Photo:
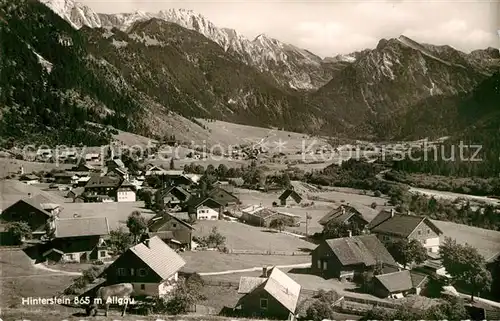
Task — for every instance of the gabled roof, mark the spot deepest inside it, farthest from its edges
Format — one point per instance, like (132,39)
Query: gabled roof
(157,221)
(81,226)
(76,191)
(217,190)
(361,249)
(399,224)
(249,283)
(289,192)
(160,257)
(117,161)
(401,281)
(35,203)
(283,288)
(197,202)
(342,214)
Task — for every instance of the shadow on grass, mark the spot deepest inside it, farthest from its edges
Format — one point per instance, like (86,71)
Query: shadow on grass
(305,249)
(300,271)
(357,290)
(269,231)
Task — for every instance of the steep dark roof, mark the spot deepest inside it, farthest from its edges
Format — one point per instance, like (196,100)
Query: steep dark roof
(400,224)
(196,202)
(82,226)
(218,190)
(362,249)
(159,220)
(341,215)
(35,203)
(290,192)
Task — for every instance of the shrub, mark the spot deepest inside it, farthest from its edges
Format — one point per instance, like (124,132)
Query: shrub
(373,205)
(377,193)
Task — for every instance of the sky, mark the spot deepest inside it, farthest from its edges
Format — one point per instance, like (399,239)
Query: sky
(331,27)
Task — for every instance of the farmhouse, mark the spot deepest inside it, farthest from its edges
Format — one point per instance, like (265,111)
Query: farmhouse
(92,157)
(223,197)
(390,226)
(155,170)
(348,257)
(171,196)
(344,215)
(102,186)
(64,178)
(398,284)
(290,193)
(37,211)
(203,207)
(274,295)
(263,216)
(180,232)
(30,179)
(151,266)
(79,239)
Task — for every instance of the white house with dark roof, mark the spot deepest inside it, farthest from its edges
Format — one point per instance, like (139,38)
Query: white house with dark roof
(151,266)
(392,226)
(273,295)
(79,239)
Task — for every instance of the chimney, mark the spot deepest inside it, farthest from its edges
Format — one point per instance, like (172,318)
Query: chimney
(146,242)
(343,210)
(350,233)
(392,212)
(264,271)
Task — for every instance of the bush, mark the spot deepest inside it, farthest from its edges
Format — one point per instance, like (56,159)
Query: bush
(373,205)
(377,193)
(18,232)
(320,310)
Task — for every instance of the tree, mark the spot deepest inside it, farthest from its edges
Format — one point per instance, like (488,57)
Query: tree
(222,171)
(172,164)
(285,180)
(215,238)
(137,225)
(321,308)
(120,241)
(465,265)
(278,223)
(181,298)
(147,197)
(18,232)
(333,230)
(407,252)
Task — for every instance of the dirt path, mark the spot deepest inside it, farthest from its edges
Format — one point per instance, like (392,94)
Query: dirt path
(257,268)
(41,266)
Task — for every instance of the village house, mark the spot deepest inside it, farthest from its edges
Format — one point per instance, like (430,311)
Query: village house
(30,179)
(398,284)
(348,257)
(92,157)
(224,197)
(37,211)
(347,215)
(171,196)
(155,170)
(274,295)
(64,178)
(102,187)
(263,216)
(290,192)
(126,192)
(204,207)
(152,267)
(391,226)
(171,229)
(79,240)
(112,164)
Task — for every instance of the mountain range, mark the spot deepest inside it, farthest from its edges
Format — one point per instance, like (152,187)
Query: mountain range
(150,73)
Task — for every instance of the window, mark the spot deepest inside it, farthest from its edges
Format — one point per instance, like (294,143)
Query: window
(419,232)
(263,304)
(428,231)
(121,272)
(324,265)
(319,264)
(132,272)
(174,224)
(142,272)
(102,253)
(143,286)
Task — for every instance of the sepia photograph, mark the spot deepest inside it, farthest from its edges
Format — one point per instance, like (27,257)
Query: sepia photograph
(224,160)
